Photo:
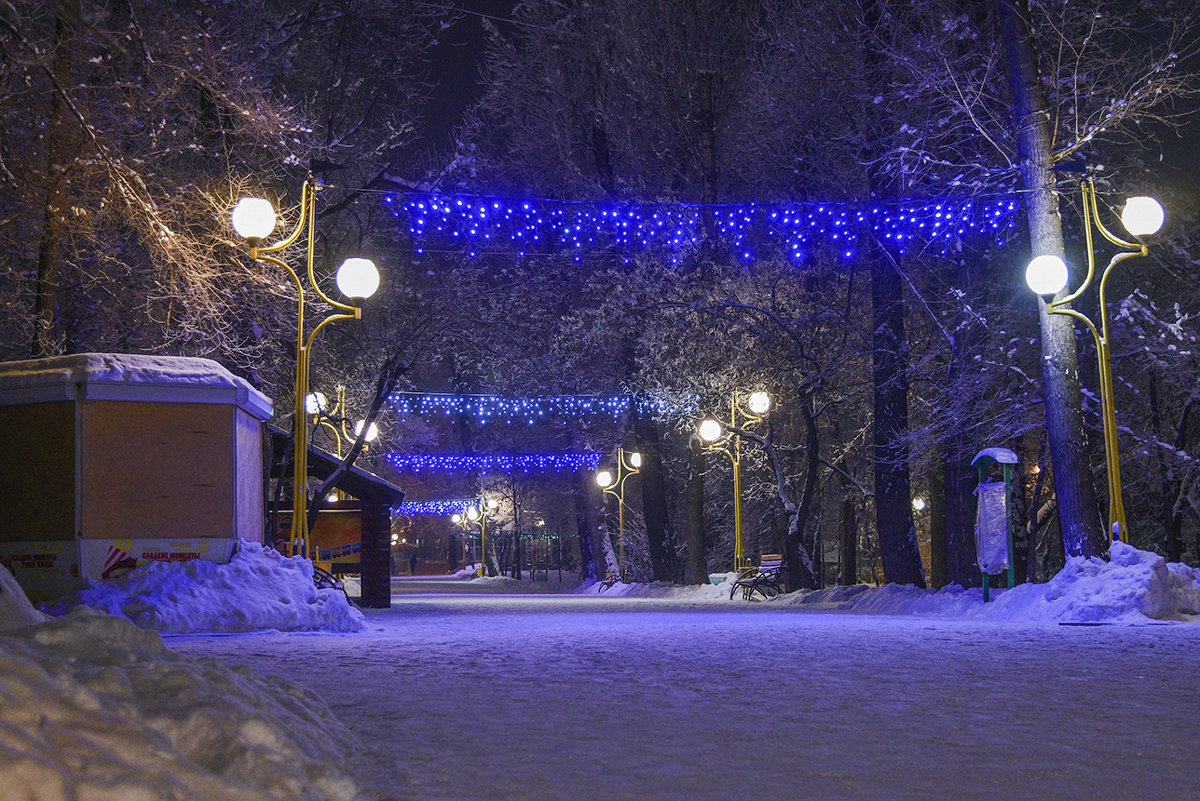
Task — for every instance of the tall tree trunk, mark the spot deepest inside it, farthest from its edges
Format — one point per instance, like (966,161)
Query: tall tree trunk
(583,529)
(893,503)
(1078,511)
(46,323)
(654,500)
(697,557)
(848,545)
(938,555)
(803,567)
(958,447)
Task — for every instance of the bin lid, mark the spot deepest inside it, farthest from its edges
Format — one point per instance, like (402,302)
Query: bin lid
(1001,455)
(127,377)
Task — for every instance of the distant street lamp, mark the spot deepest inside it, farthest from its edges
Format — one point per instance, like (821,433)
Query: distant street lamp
(254,220)
(333,418)
(719,437)
(1047,275)
(478,514)
(628,464)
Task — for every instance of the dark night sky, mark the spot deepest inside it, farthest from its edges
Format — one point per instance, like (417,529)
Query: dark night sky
(455,69)
(455,64)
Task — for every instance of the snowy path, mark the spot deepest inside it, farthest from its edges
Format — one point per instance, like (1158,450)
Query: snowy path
(569,697)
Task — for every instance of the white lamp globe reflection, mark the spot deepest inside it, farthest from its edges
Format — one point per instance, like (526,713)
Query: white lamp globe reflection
(253,218)
(1142,216)
(358,278)
(605,479)
(635,459)
(492,503)
(1046,275)
(455,518)
(473,513)
(918,504)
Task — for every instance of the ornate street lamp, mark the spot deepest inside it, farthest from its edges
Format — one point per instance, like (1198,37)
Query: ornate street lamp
(254,219)
(1047,275)
(719,437)
(478,515)
(613,483)
(334,420)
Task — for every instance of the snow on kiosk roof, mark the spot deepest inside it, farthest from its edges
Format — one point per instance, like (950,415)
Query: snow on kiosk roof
(120,376)
(114,460)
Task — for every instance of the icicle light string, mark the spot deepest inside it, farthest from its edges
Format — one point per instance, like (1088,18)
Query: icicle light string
(496,408)
(435,508)
(543,226)
(527,463)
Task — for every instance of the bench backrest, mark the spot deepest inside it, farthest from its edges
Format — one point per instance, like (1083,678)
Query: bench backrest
(770,561)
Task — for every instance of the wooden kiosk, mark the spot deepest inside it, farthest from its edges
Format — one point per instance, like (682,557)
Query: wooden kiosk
(112,460)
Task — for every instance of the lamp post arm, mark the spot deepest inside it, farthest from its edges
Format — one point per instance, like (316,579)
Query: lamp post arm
(1052,308)
(1091,210)
(333,318)
(337,436)
(1142,250)
(257,254)
(308,205)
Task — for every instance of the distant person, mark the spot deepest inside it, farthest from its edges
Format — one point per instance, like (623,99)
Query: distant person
(412,564)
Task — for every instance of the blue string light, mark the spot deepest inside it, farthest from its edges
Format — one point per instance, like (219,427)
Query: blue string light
(495,408)
(438,508)
(527,463)
(544,226)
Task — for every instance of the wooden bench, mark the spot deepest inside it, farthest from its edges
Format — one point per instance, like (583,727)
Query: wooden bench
(608,581)
(762,579)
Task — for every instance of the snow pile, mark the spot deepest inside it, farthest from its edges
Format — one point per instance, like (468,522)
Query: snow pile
(15,610)
(258,589)
(92,707)
(1132,586)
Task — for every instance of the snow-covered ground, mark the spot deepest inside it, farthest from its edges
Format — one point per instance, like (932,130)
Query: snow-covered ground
(93,708)
(639,691)
(580,697)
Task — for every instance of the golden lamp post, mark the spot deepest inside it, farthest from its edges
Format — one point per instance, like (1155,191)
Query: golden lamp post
(254,220)
(478,514)
(719,437)
(1047,275)
(613,483)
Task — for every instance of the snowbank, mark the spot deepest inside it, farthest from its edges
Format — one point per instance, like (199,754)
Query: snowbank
(15,610)
(258,589)
(1132,586)
(92,707)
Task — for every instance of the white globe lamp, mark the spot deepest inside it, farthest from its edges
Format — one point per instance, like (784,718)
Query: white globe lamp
(1142,216)
(253,218)
(358,278)
(710,430)
(315,402)
(372,431)
(1046,275)
(759,402)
